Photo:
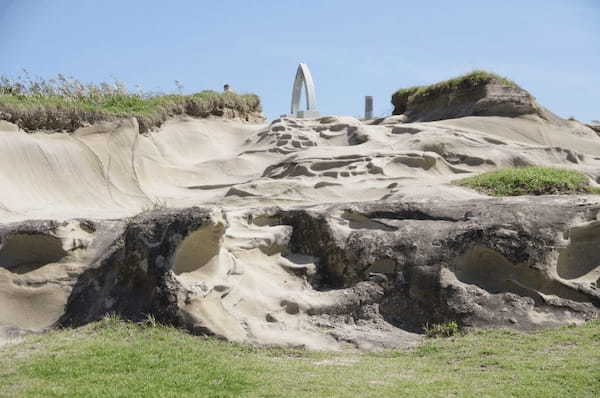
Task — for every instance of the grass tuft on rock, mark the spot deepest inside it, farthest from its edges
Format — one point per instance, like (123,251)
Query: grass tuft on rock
(472,80)
(468,80)
(65,104)
(533,180)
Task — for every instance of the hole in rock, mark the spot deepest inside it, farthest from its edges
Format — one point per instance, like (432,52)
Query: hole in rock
(484,268)
(265,220)
(583,253)
(398,164)
(493,272)
(198,249)
(360,221)
(328,165)
(272,248)
(383,266)
(23,253)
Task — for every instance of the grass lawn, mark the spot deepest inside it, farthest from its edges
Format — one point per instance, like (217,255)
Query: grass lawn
(117,359)
(532,180)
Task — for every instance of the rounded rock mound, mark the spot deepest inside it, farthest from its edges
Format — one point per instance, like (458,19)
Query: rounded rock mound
(477,93)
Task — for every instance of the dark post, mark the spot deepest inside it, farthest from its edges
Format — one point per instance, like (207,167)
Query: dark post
(368,107)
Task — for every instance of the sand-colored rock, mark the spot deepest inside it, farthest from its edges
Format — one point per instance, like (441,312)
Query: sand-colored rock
(364,275)
(330,233)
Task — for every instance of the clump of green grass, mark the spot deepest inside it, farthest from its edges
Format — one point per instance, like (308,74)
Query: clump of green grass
(447,329)
(402,97)
(122,359)
(65,104)
(533,180)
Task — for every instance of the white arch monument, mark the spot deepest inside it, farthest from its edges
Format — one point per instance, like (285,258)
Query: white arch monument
(304,78)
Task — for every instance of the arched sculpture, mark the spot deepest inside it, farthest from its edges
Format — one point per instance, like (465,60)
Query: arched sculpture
(304,78)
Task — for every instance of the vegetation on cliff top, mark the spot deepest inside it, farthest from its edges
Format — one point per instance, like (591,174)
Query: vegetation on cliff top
(65,104)
(112,358)
(533,180)
(472,79)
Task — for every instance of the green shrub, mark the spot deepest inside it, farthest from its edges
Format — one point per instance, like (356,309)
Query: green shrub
(533,180)
(447,329)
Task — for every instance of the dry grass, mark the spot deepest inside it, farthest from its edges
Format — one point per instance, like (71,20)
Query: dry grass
(65,104)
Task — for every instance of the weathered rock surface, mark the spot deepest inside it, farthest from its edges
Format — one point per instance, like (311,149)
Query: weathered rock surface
(520,263)
(330,233)
(357,275)
(595,127)
(111,171)
(491,98)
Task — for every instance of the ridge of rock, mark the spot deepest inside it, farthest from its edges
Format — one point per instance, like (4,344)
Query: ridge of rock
(489,97)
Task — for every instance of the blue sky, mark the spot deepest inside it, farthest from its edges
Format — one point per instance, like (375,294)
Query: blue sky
(353,48)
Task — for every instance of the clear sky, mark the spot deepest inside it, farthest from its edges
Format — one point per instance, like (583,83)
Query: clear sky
(353,48)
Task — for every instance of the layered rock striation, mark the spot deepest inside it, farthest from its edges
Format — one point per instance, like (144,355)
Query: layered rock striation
(475,94)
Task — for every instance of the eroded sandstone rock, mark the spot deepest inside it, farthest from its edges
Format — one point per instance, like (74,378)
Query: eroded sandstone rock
(470,98)
(357,275)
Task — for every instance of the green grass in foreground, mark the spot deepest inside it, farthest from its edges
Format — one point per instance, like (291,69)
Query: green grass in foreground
(116,359)
(533,180)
